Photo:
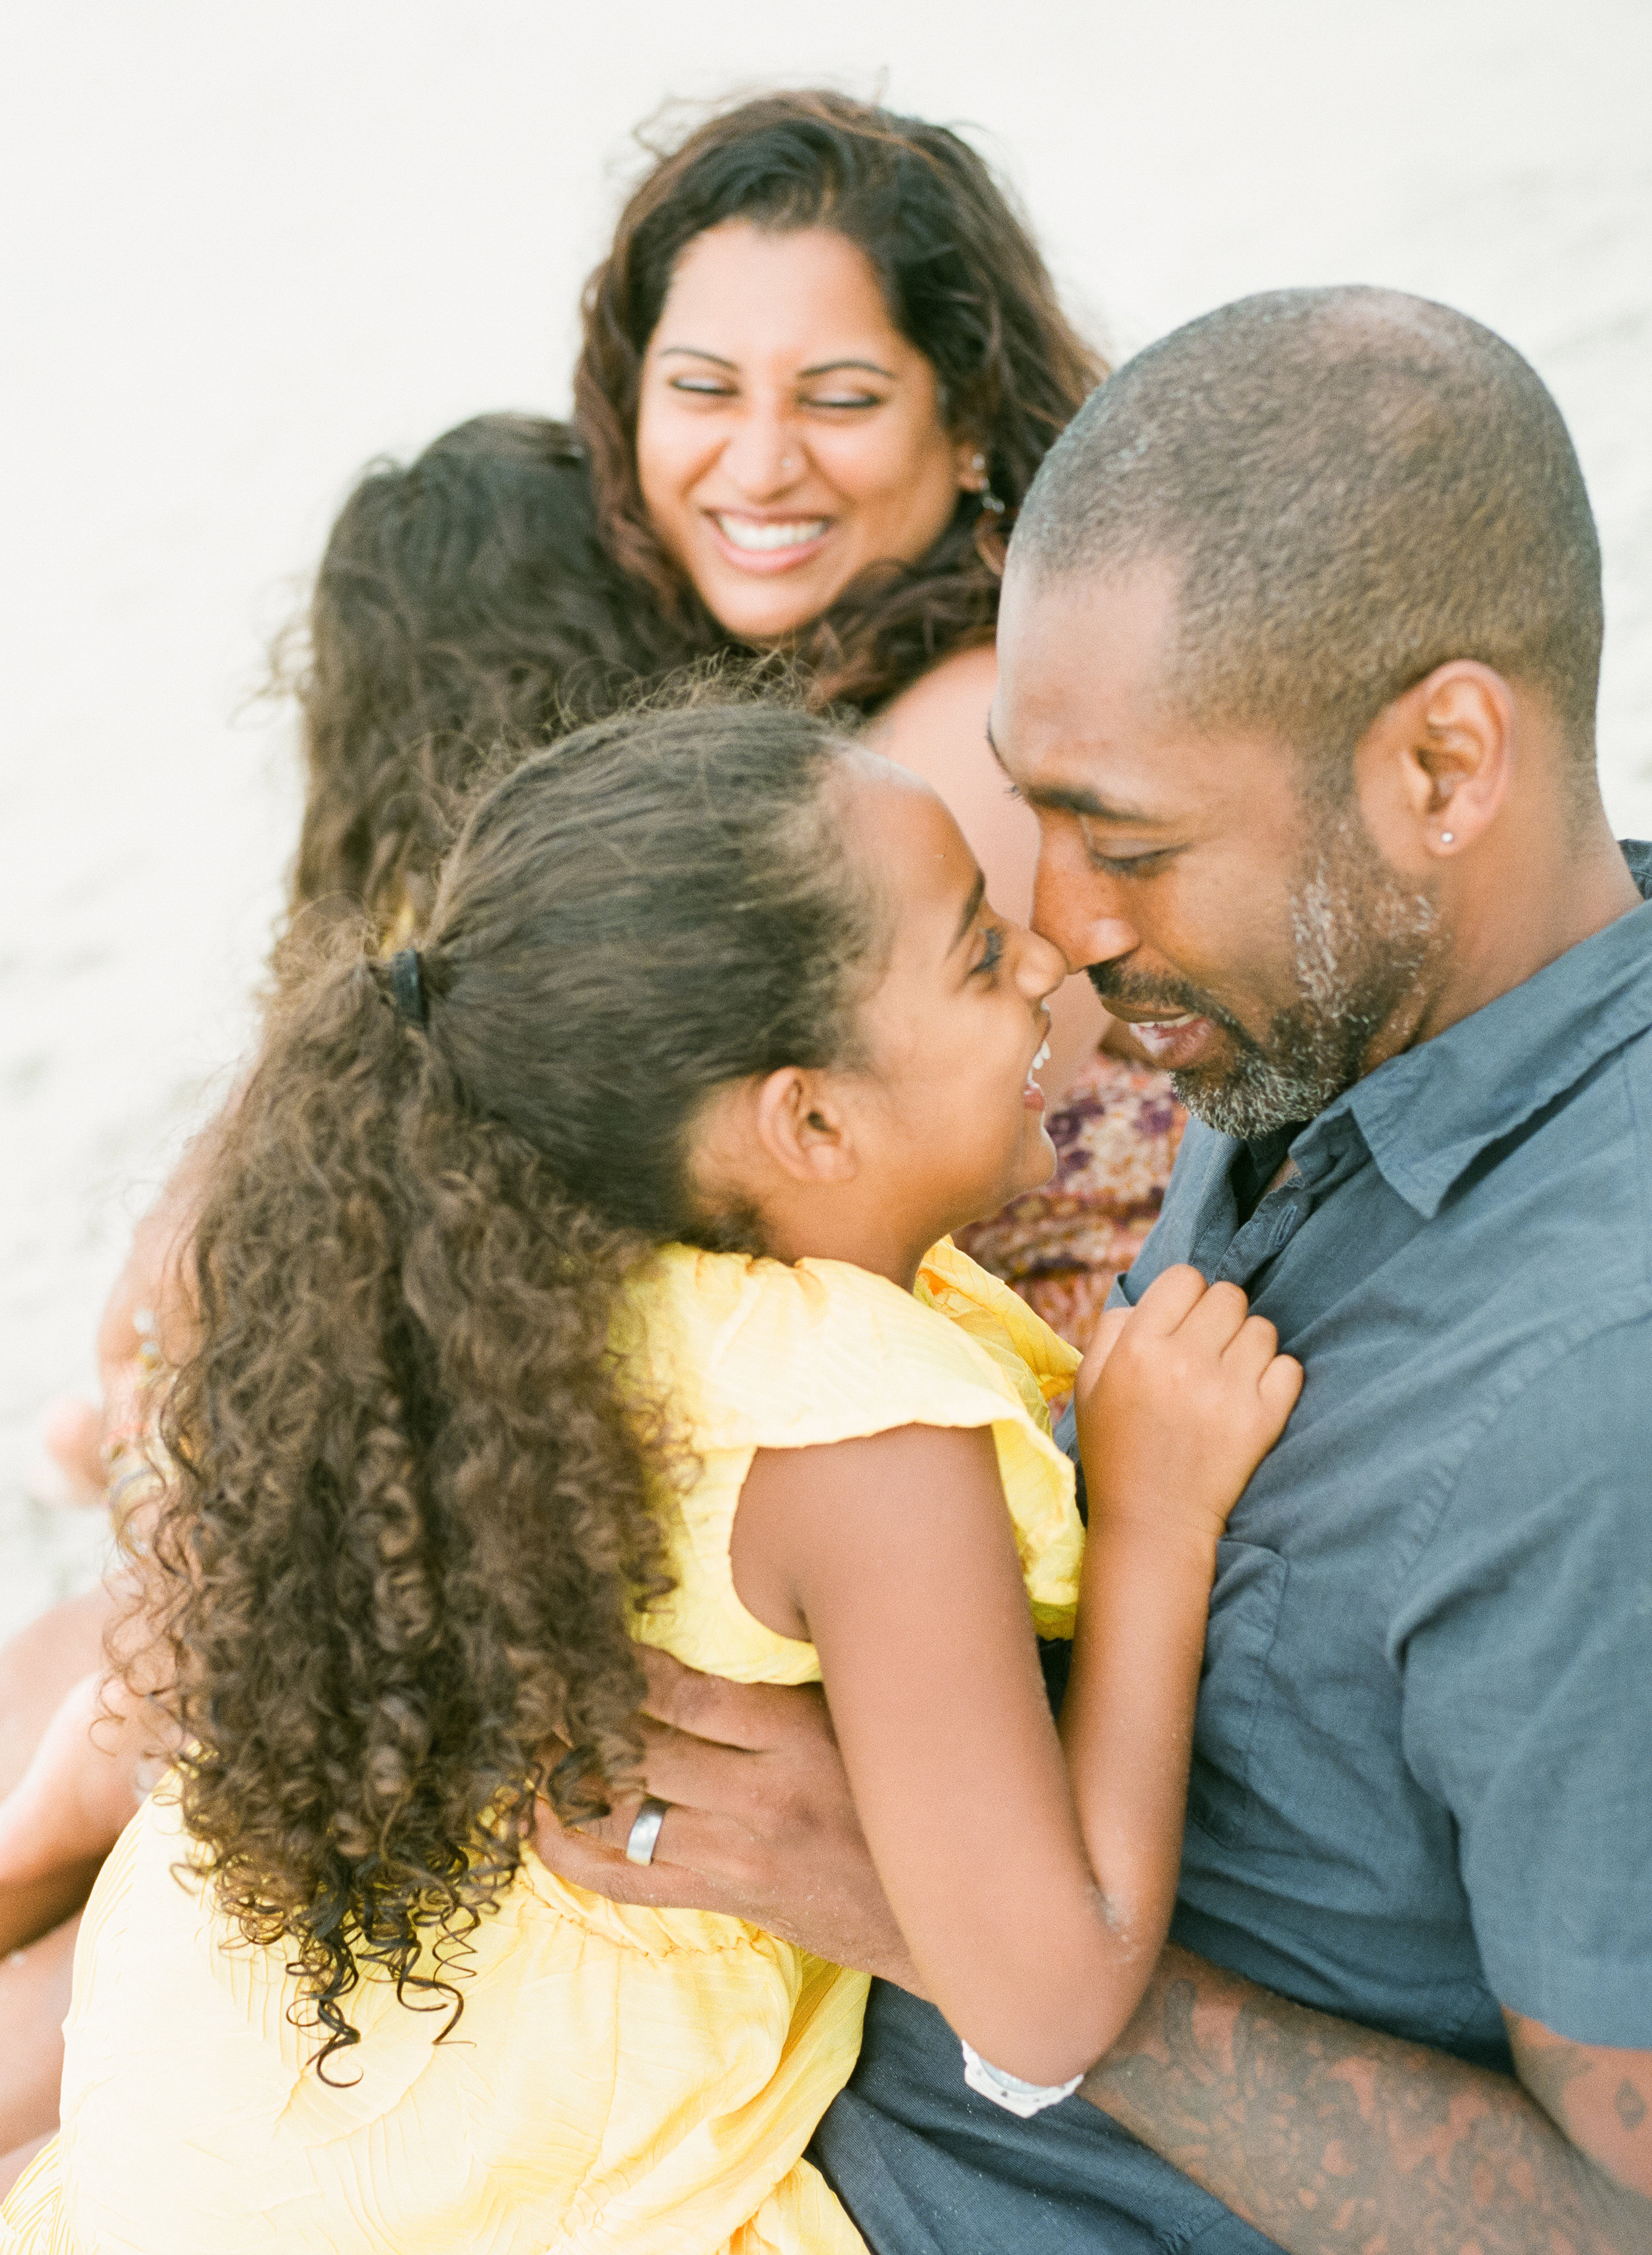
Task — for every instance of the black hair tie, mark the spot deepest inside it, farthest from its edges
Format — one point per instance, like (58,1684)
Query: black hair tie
(407,987)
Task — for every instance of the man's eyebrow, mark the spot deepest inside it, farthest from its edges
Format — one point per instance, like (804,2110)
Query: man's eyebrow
(829,367)
(694,352)
(977,893)
(1069,799)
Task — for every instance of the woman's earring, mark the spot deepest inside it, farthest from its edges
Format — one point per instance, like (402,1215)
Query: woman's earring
(991,532)
(988,498)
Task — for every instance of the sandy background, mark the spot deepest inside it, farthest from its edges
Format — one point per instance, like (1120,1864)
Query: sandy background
(248,248)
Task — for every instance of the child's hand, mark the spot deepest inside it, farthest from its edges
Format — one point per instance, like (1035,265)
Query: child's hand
(1178,1400)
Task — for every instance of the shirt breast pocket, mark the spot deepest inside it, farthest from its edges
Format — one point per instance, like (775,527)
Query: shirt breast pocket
(1244,1620)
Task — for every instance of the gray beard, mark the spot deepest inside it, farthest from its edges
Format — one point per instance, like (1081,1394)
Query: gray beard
(1362,941)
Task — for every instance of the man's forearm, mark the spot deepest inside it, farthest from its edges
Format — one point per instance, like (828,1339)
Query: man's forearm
(1331,2139)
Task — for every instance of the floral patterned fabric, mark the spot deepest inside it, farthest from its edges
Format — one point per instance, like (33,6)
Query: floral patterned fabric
(1060,1247)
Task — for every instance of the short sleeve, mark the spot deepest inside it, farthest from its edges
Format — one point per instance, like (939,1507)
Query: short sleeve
(1524,1641)
(749,1353)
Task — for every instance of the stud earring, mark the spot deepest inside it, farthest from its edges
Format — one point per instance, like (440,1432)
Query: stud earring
(1445,837)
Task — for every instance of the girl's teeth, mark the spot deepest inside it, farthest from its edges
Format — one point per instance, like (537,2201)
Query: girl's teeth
(741,532)
(1043,1057)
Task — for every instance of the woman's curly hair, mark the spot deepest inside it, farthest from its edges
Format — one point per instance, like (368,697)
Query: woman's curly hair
(413,1507)
(964,283)
(464,600)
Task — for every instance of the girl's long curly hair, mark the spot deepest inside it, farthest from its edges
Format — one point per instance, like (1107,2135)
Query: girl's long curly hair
(463,600)
(964,283)
(413,1507)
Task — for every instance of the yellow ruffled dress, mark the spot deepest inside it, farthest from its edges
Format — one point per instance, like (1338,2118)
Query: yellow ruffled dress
(621,2078)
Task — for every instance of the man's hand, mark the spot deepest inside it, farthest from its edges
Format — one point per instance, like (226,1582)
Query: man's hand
(760,1826)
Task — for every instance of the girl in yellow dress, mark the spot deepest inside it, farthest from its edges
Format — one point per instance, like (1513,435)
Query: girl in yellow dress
(578,1277)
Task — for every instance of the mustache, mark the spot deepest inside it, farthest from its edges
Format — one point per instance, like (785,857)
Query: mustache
(1115,984)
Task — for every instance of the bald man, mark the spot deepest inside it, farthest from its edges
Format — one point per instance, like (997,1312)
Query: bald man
(1298,652)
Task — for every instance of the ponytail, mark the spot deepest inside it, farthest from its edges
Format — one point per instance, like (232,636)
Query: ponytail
(410,1517)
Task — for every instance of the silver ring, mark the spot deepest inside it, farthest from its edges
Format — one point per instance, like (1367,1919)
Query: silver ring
(643,1836)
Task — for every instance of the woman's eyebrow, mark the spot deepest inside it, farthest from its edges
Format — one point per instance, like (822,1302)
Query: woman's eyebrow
(971,906)
(829,367)
(694,351)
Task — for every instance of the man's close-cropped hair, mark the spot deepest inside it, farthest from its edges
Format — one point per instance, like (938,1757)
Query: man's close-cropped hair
(1354,487)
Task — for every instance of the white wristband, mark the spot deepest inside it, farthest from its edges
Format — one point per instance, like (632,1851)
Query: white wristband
(1009,2091)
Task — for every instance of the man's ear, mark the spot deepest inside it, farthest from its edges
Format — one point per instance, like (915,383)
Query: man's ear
(1436,764)
(803,1128)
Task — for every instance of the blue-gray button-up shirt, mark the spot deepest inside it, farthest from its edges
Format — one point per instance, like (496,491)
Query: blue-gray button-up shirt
(1421,1778)
(1422,1781)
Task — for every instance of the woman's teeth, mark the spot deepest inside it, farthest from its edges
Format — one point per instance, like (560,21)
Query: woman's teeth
(790,533)
(1043,1057)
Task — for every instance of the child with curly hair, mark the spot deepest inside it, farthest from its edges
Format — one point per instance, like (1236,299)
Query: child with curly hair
(464,611)
(578,1277)
(464,601)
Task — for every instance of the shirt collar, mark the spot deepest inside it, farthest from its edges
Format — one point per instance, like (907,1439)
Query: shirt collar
(1427,1114)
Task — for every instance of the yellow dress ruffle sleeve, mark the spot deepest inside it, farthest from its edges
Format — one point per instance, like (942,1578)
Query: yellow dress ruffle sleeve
(621,2079)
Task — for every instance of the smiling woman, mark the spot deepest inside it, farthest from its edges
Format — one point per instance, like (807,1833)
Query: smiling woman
(822,333)
(822,363)
(807,450)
